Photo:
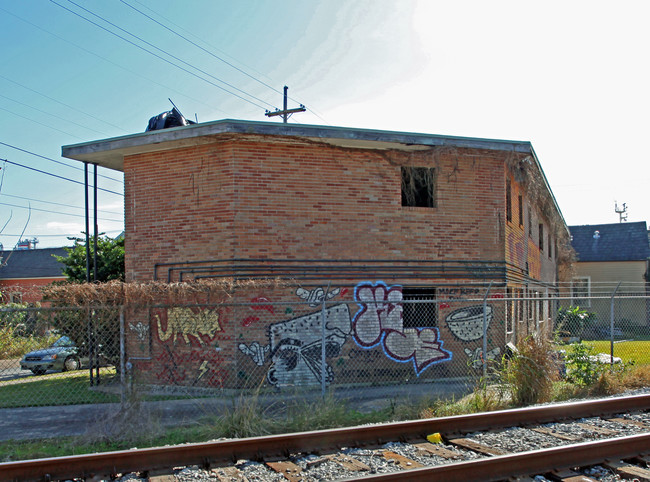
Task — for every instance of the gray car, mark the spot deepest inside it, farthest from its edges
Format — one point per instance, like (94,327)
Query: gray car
(62,355)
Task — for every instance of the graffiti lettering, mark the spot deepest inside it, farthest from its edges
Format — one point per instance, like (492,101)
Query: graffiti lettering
(458,291)
(186,322)
(316,296)
(259,306)
(379,322)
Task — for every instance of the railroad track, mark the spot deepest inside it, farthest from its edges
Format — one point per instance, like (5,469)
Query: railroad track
(613,433)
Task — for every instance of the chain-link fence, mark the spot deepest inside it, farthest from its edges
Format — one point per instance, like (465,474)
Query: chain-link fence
(369,342)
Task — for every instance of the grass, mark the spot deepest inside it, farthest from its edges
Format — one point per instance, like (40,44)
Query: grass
(70,388)
(134,426)
(636,351)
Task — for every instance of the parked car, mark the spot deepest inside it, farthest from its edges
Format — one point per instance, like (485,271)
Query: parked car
(62,355)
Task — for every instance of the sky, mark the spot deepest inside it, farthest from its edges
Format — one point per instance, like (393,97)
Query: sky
(570,77)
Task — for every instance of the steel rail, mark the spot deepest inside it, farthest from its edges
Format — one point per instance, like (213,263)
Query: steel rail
(525,463)
(256,448)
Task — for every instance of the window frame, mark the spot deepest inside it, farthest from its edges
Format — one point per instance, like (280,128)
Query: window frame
(424,196)
(411,310)
(575,300)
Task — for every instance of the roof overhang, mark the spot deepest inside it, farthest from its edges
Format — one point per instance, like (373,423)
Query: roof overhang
(110,153)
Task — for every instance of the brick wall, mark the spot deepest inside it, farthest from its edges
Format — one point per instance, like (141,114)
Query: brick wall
(256,199)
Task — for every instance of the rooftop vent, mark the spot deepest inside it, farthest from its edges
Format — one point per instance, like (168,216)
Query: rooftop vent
(596,234)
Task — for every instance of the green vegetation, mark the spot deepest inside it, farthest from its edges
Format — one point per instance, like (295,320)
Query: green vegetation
(628,351)
(110,259)
(71,388)
(515,381)
(573,322)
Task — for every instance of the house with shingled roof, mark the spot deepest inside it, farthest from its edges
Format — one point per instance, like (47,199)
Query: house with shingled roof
(612,258)
(23,272)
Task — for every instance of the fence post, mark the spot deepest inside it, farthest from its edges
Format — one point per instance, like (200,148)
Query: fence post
(611,326)
(484,355)
(323,369)
(122,357)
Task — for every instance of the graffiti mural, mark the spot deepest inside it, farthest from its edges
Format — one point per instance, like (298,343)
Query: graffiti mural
(175,368)
(141,331)
(379,322)
(316,296)
(295,347)
(185,322)
(467,323)
(476,356)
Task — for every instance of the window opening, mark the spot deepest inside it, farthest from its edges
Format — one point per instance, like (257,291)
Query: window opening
(423,314)
(418,187)
(508,200)
(541,237)
(580,291)
(520,202)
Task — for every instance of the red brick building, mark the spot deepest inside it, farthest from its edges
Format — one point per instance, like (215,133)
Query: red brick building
(379,217)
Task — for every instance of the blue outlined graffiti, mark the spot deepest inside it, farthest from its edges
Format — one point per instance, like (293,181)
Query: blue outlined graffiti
(379,322)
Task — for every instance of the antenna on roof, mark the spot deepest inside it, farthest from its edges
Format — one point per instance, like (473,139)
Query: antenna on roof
(285,113)
(622,212)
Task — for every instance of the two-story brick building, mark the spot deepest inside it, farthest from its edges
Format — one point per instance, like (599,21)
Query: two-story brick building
(365,219)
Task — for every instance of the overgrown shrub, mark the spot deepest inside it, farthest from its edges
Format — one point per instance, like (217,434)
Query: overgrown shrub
(528,374)
(573,321)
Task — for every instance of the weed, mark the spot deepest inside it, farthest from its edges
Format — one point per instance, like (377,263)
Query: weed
(528,375)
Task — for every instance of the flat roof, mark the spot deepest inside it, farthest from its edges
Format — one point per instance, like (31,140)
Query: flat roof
(110,153)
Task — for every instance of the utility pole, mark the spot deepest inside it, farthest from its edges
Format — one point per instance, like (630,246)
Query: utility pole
(285,113)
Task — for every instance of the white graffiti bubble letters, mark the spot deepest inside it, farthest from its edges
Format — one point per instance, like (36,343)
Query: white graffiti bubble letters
(379,322)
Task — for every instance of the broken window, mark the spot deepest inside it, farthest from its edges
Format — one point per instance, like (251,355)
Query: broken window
(418,187)
(419,307)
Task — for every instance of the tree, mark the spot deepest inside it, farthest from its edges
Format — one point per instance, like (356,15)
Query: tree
(110,259)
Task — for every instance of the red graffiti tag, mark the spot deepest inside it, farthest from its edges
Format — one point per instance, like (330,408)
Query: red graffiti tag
(248,321)
(262,299)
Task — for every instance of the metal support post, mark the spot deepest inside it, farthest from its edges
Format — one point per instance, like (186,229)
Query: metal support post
(323,366)
(611,326)
(484,355)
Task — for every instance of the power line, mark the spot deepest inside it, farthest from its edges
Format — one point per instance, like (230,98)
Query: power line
(202,48)
(61,103)
(137,74)
(162,58)
(55,212)
(40,123)
(202,40)
(58,162)
(52,115)
(56,204)
(216,56)
(58,177)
